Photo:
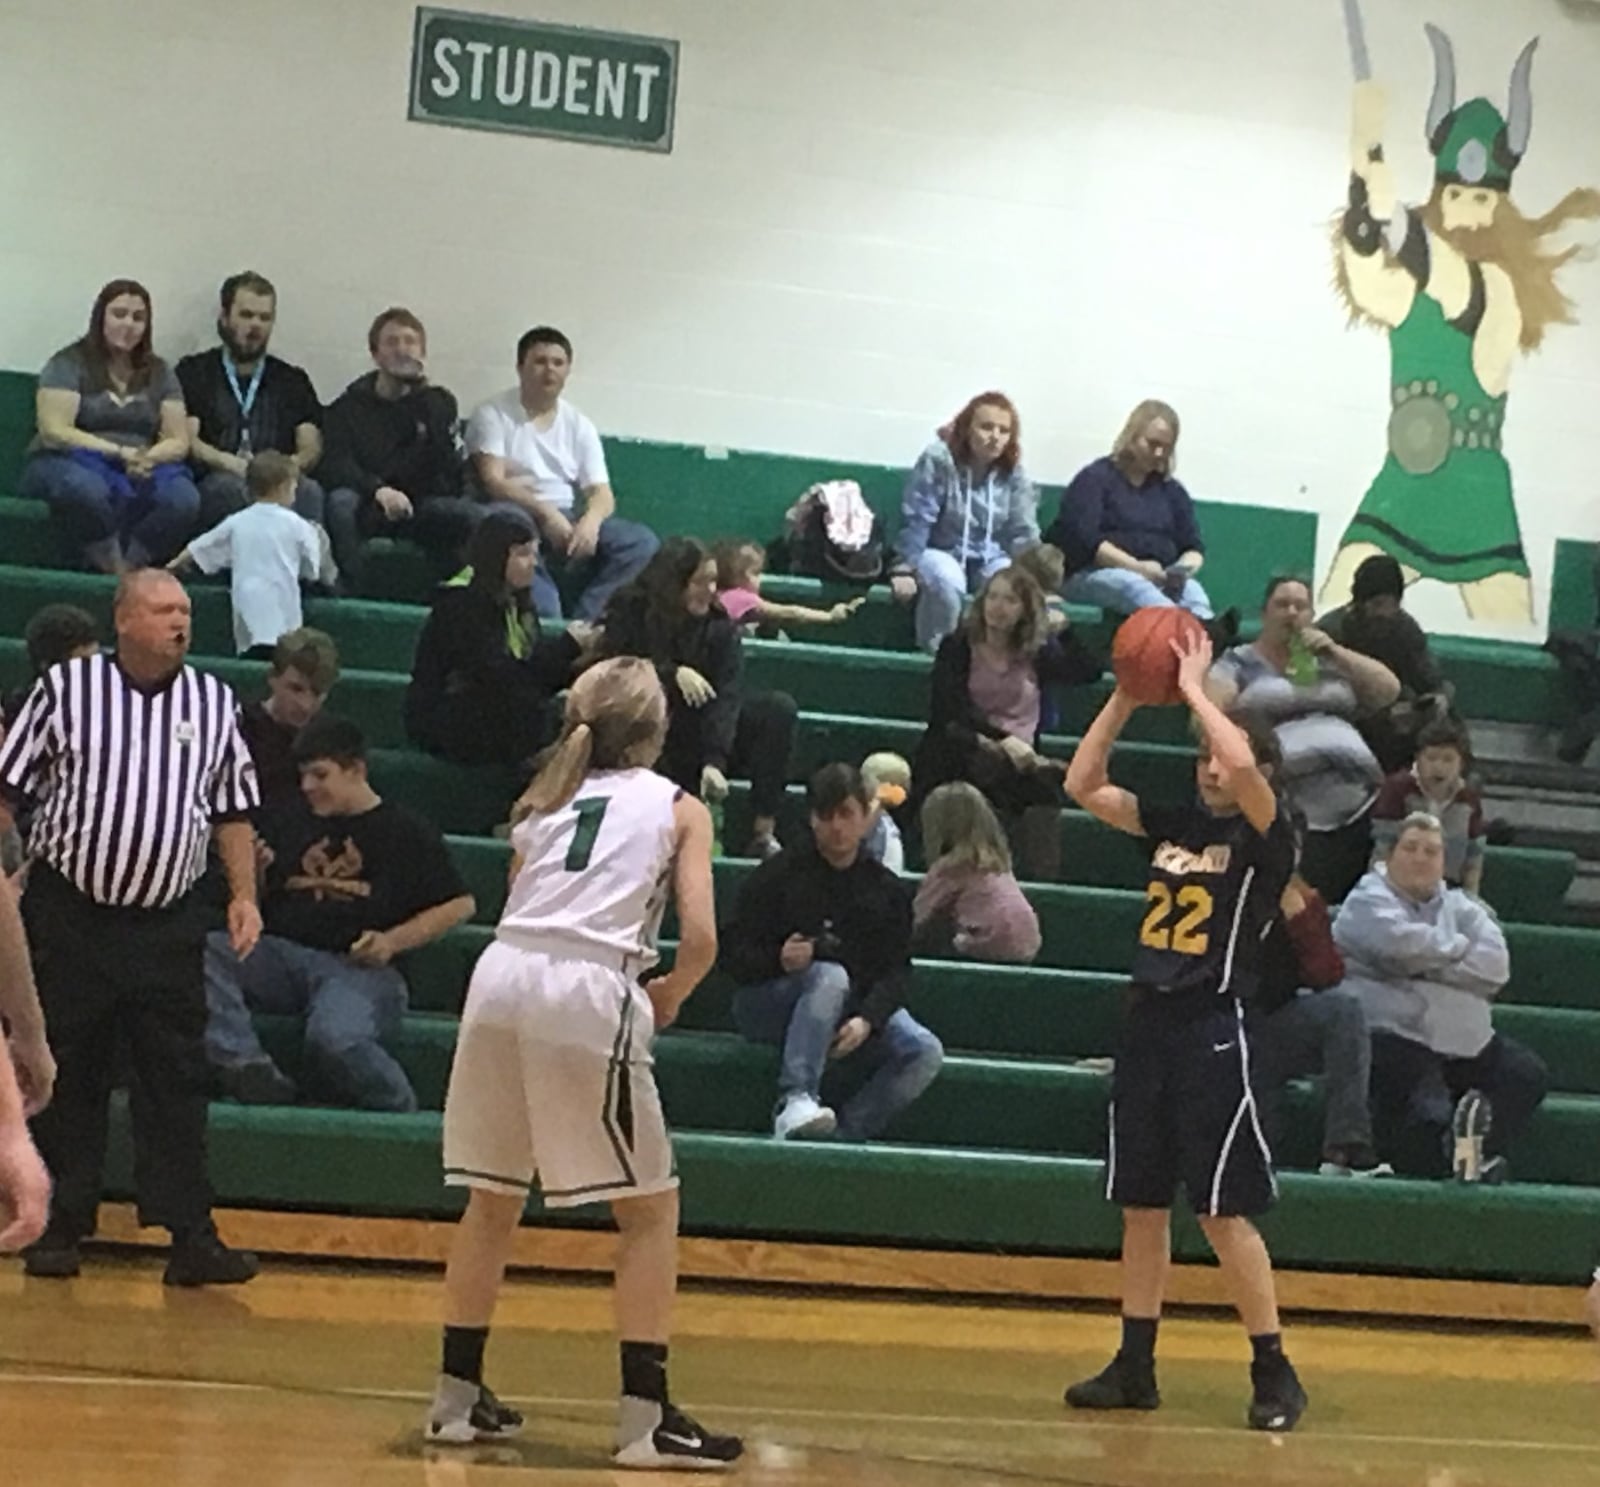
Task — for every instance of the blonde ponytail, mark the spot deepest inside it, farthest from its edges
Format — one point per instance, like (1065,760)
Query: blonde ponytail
(561,770)
(616,718)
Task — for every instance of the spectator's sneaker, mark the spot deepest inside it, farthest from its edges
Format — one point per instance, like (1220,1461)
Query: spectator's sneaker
(1353,1161)
(1494,1172)
(801,1116)
(1120,1385)
(202,1259)
(763,847)
(260,1082)
(660,1437)
(52,1257)
(466,1414)
(1278,1401)
(1473,1118)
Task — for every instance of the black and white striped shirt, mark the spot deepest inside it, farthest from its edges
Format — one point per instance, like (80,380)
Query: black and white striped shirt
(127,781)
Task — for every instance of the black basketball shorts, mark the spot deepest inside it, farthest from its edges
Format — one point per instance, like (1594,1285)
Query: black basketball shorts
(1182,1111)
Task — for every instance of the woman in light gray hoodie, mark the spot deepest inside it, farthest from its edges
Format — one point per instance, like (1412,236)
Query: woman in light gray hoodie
(1427,961)
(968,508)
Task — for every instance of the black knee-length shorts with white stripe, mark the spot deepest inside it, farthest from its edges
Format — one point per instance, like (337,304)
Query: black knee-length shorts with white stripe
(1182,1111)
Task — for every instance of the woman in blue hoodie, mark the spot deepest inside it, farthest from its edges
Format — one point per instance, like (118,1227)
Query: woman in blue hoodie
(968,507)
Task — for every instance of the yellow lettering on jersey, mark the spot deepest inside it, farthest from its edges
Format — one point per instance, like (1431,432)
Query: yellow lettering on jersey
(1169,857)
(1187,934)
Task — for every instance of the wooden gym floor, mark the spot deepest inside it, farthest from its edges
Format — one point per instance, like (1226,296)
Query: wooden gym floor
(316,1377)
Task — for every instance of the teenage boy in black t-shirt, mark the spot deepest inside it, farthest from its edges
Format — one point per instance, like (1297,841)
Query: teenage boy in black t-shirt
(1181,1107)
(351,883)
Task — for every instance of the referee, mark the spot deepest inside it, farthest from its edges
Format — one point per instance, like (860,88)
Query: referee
(132,762)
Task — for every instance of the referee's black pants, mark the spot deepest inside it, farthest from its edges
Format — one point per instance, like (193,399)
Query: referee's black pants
(112,979)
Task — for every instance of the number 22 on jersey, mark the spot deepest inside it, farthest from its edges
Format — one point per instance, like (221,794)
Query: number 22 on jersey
(1177,921)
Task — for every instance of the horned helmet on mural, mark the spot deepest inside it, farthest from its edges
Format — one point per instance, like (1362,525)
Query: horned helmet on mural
(1475,147)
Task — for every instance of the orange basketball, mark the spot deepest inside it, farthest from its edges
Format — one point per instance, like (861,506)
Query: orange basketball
(1141,655)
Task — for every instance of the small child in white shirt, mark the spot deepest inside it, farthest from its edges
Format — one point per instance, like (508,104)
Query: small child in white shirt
(269,549)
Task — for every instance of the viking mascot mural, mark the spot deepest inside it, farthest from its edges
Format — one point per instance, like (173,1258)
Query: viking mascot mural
(1463,285)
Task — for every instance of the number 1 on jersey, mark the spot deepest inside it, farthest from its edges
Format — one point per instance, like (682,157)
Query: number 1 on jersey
(590,812)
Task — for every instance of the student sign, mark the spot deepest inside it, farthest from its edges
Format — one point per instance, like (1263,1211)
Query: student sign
(526,77)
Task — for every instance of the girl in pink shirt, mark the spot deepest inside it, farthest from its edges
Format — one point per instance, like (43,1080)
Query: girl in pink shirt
(739,569)
(970,903)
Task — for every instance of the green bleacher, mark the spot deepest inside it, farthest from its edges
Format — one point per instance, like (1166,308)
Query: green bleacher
(1002,1153)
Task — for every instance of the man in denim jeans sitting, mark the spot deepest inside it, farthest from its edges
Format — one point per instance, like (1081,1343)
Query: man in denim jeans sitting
(350,884)
(821,948)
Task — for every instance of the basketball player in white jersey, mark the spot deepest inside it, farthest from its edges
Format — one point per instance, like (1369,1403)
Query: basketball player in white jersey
(552,1073)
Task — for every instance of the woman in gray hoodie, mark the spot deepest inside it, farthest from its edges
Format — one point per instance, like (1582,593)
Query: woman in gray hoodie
(1427,961)
(968,508)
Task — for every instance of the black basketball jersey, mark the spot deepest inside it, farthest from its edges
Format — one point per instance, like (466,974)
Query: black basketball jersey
(1215,882)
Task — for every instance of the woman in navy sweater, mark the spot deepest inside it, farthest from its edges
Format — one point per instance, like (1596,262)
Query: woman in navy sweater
(1128,528)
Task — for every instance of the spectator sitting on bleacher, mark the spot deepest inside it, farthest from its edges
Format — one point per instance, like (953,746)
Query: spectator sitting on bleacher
(1128,529)
(1309,691)
(821,949)
(349,885)
(269,550)
(968,506)
(1428,961)
(485,677)
(303,670)
(970,904)
(888,781)
(393,461)
(740,566)
(113,437)
(669,615)
(56,633)
(1375,624)
(1046,565)
(1437,784)
(536,453)
(244,402)
(1301,1021)
(986,714)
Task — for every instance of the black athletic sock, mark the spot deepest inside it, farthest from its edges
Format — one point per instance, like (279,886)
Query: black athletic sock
(1139,1339)
(644,1370)
(1267,1347)
(463,1353)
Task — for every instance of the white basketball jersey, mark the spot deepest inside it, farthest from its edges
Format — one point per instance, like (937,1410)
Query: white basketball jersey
(598,871)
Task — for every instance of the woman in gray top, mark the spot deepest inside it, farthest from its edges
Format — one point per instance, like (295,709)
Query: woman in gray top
(113,438)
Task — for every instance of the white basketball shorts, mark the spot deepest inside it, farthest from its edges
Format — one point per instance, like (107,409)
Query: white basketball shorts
(553,1078)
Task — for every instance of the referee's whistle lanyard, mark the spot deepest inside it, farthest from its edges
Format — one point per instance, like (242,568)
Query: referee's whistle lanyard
(245,398)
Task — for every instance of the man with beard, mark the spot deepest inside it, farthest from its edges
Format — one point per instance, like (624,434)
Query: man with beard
(394,463)
(1462,285)
(243,402)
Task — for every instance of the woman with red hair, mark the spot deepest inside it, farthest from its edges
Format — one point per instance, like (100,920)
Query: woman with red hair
(968,507)
(110,455)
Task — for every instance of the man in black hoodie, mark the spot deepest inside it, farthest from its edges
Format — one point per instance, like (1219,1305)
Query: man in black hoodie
(821,948)
(393,464)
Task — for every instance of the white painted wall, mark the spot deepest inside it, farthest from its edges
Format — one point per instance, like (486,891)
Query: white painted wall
(874,208)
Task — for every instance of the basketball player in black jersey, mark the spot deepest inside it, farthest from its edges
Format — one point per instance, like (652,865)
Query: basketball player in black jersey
(1181,1107)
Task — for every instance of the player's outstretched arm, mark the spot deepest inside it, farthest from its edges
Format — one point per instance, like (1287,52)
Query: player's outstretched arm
(1088,779)
(1230,748)
(697,912)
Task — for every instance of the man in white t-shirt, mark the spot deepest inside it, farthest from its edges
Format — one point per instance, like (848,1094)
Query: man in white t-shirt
(533,450)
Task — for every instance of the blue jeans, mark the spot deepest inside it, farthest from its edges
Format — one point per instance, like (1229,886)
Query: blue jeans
(349,1009)
(801,1013)
(151,528)
(621,551)
(1123,592)
(943,583)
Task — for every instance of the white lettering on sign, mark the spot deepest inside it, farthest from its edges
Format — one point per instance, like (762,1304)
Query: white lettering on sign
(577,82)
(448,82)
(546,80)
(611,89)
(509,92)
(480,51)
(646,73)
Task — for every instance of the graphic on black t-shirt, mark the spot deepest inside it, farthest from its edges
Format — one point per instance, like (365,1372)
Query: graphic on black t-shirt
(1213,891)
(330,871)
